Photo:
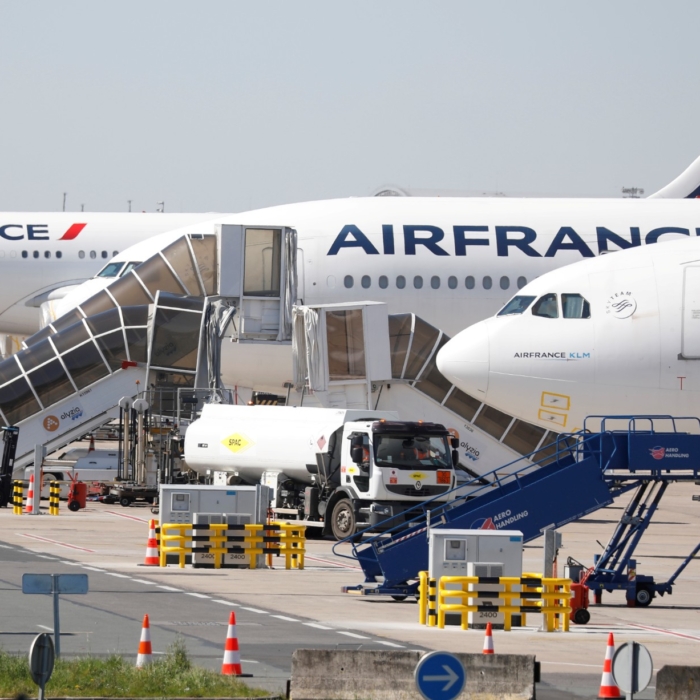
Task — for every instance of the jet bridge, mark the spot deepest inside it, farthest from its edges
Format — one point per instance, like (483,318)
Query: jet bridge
(144,331)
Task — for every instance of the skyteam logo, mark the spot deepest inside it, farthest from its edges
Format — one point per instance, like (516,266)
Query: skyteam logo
(621,305)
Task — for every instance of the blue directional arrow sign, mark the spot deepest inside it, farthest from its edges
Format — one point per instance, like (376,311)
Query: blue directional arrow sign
(439,676)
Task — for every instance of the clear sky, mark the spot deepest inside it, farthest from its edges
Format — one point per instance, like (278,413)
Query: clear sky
(227,106)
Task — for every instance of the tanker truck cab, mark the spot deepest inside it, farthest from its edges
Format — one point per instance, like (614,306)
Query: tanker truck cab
(391,466)
(341,470)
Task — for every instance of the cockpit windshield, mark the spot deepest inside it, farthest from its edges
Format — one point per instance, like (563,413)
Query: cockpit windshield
(516,306)
(128,267)
(417,452)
(111,269)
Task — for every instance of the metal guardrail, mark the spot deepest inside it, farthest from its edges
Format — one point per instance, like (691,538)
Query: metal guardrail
(547,596)
(283,539)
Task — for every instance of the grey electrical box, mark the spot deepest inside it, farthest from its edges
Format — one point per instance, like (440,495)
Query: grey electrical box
(179,502)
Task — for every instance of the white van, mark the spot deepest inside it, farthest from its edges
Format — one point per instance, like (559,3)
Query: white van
(98,465)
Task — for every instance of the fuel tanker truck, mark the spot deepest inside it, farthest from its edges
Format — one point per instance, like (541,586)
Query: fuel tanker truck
(345,469)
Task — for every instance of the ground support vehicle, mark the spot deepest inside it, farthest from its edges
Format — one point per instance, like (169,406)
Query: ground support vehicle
(125,494)
(340,468)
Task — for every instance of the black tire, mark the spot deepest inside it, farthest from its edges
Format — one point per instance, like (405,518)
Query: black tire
(399,597)
(644,595)
(343,521)
(73,506)
(582,616)
(125,502)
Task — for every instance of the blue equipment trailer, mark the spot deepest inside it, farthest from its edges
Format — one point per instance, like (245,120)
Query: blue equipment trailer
(576,475)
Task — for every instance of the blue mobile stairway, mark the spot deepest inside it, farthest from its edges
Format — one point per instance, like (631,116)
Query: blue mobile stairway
(557,484)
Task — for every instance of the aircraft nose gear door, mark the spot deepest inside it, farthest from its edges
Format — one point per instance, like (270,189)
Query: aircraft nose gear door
(257,267)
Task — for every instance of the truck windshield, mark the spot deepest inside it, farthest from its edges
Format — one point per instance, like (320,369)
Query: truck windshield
(412,452)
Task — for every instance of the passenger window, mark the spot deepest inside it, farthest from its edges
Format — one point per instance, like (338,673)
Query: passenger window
(115,253)
(546,306)
(104,254)
(400,282)
(59,254)
(505,282)
(522,281)
(516,306)
(36,253)
(47,253)
(383,282)
(366,281)
(452,282)
(93,254)
(81,254)
(418,282)
(435,282)
(348,282)
(487,282)
(470,282)
(575,306)
(25,254)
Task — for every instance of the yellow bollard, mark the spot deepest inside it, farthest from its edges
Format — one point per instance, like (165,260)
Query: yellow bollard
(18,498)
(54,497)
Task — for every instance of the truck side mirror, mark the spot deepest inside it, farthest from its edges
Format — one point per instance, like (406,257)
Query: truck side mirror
(356,454)
(455,458)
(454,442)
(356,441)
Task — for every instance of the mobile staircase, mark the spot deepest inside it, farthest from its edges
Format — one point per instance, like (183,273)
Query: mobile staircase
(560,483)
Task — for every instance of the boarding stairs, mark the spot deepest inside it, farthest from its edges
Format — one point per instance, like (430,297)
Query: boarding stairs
(576,475)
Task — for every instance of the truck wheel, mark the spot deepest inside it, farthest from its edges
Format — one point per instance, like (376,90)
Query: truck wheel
(582,616)
(125,502)
(343,521)
(644,595)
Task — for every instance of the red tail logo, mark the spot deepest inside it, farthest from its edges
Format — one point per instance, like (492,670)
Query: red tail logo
(72,232)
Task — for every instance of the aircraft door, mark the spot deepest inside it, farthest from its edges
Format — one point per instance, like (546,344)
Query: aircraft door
(690,335)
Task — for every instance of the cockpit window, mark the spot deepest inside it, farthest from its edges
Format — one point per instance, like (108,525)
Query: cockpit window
(111,269)
(129,266)
(516,306)
(546,306)
(575,306)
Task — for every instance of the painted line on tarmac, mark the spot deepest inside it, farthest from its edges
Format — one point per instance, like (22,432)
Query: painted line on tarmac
(391,644)
(128,517)
(332,563)
(6,546)
(670,633)
(171,589)
(225,602)
(92,568)
(288,619)
(316,625)
(60,544)
(143,580)
(255,610)
(197,595)
(109,573)
(352,634)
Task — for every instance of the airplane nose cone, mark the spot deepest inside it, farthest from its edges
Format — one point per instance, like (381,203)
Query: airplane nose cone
(464,360)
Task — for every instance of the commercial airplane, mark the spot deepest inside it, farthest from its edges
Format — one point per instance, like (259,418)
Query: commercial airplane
(617,335)
(43,255)
(451,261)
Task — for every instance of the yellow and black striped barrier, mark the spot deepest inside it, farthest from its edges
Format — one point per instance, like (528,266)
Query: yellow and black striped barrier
(282,539)
(17,497)
(550,597)
(54,497)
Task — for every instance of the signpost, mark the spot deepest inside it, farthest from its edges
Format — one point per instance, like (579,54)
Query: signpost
(439,676)
(47,584)
(41,659)
(632,668)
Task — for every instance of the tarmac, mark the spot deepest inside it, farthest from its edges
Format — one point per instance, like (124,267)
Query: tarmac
(113,539)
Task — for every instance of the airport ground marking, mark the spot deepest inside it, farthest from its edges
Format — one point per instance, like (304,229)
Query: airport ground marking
(316,625)
(124,515)
(661,630)
(392,644)
(255,610)
(110,573)
(225,602)
(60,544)
(6,546)
(352,634)
(92,568)
(332,563)
(171,589)
(196,595)
(288,619)
(143,580)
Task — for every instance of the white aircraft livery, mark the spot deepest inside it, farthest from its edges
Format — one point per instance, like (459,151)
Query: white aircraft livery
(43,255)
(618,335)
(452,261)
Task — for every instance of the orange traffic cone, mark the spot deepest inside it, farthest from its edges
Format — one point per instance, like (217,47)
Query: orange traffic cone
(145,652)
(608,688)
(152,556)
(488,640)
(232,656)
(92,444)
(29,508)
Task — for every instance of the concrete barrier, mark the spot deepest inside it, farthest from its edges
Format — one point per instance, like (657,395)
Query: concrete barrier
(330,674)
(678,683)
